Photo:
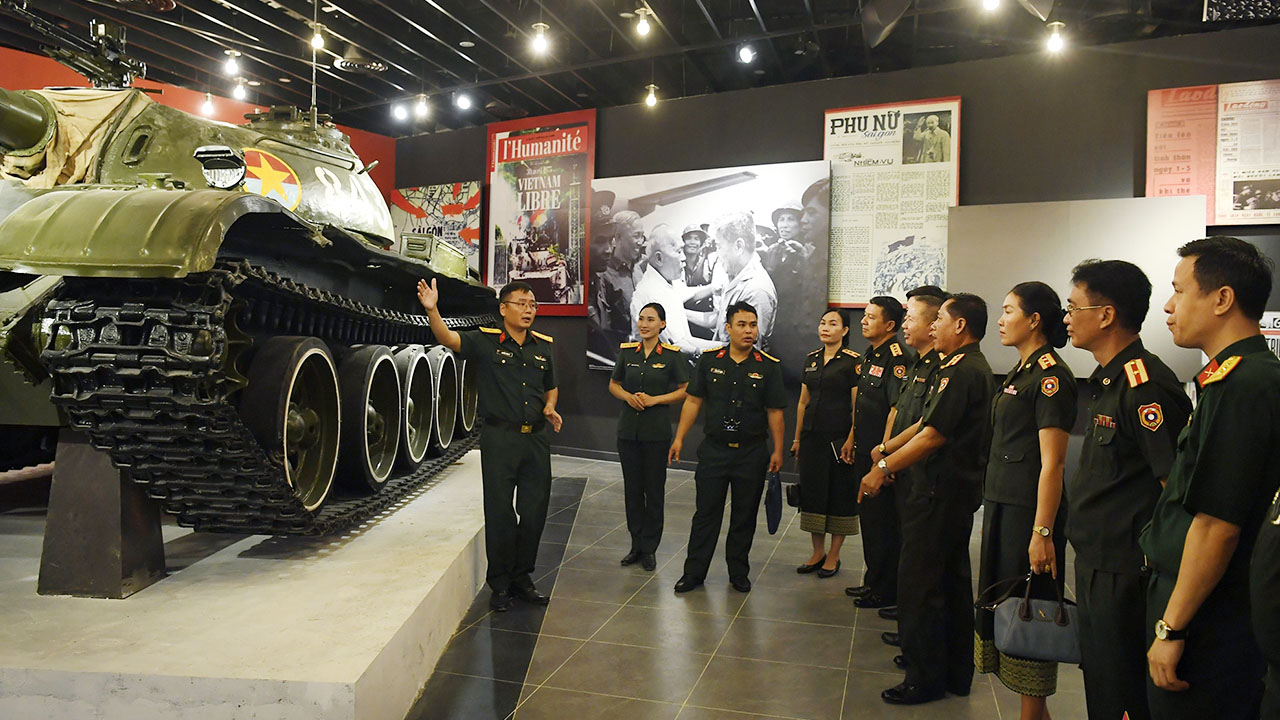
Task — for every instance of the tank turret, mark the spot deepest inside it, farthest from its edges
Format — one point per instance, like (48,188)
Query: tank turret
(25,121)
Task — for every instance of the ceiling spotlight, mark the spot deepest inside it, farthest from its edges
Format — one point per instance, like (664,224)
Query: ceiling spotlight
(284,79)
(239,92)
(398,112)
(642,25)
(746,54)
(990,5)
(540,37)
(462,100)
(421,109)
(466,44)
(652,98)
(1055,37)
(207,106)
(317,40)
(232,65)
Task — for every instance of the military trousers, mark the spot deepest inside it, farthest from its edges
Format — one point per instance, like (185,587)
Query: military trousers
(1271,698)
(1113,645)
(1220,658)
(644,482)
(722,469)
(881,535)
(516,471)
(935,590)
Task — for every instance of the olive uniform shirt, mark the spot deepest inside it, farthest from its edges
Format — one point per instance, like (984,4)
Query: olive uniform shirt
(1137,407)
(959,409)
(830,408)
(1036,394)
(880,378)
(1228,462)
(915,391)
(513,379)
(664,370)
(736,396)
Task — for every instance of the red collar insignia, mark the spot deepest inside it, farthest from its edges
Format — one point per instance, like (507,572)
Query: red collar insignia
(756,355)
(659,348)
(1208,370)
(502,337)
(720,354)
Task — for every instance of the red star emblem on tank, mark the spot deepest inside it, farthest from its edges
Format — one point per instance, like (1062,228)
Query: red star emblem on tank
(271,177)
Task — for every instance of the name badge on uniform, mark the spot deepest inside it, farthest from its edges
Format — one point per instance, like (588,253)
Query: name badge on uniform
(877,370)
(630,364)
(1010,390)
(755,375)
(505,353)
(717,371)
(921,378)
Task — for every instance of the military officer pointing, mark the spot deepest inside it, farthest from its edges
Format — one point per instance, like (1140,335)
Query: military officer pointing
(742,390)
(515,375)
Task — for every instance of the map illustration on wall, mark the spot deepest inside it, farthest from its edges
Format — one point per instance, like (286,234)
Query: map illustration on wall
(449,212)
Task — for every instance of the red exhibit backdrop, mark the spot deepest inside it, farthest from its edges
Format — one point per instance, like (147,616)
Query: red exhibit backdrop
(24,71)
(539,175)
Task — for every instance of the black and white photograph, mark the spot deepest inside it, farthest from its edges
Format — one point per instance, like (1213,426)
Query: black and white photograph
(926,137)
(1261,194)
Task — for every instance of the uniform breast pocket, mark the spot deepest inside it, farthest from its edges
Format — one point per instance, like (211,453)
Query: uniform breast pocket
(871,381)
(1103,456)
(1011,458)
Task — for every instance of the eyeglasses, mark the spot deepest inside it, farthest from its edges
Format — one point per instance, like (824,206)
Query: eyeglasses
(1072,309)
(522,304)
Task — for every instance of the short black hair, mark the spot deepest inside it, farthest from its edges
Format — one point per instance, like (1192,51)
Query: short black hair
(657,307)
(1121,284)
(1226,261)
(1037,298)
(740,306)
(974,311)
(893,310)
(932,290)
(513,287)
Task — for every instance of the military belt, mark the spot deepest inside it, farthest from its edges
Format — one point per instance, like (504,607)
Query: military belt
(740,442)
(522,428)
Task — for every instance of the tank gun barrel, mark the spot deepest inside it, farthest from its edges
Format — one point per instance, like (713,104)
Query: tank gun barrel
(24,121)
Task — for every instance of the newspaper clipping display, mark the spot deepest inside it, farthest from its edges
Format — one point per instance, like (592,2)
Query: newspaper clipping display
(1182,134)
(1248,190)
(449,213)
(540,172)
(894,172)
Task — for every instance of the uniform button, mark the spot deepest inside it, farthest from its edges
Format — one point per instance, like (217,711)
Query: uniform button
(1106,381)
(523,384)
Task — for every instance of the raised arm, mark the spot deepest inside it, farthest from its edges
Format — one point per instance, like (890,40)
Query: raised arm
(429,296)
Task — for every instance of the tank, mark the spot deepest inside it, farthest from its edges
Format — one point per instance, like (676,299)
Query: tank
(214,305)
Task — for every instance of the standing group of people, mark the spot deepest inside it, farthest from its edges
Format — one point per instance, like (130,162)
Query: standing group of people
(1173,513)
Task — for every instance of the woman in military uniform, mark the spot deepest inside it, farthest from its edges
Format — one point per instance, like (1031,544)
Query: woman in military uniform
(1022,493)
(824,427)
(648,376)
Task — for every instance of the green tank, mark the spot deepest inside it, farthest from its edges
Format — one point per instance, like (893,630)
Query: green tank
(215,306)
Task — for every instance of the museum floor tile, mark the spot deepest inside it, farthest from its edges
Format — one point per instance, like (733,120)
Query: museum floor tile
(619,643)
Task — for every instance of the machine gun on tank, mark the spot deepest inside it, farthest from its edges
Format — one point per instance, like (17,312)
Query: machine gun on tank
(101,58)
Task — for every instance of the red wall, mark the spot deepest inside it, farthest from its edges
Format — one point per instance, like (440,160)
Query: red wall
(24,71)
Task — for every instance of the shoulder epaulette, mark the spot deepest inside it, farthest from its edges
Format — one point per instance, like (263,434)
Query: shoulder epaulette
(542,336)
(955,359)
(1046,361)
(628,345)
(895,349)
(847,351)
(1136,371)
(769,356)
(491,331)
(815,352)
(1223,370)
(673,348)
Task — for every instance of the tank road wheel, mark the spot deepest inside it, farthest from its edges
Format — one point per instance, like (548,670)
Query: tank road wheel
(444,373)
(418,401)
(371,416)
(468,398)
(291,407)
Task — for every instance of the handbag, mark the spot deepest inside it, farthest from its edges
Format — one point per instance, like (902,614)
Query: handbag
(792,491)
(773,502)
(1026,627)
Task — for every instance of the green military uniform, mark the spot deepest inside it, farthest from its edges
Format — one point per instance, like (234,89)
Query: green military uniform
(1227,467)
(935,601)
(1136,409)
(736,400)
(1264,585)
(921,374)
(645,435)
(879,384)
(828,488)
(1037,394)
(515,455)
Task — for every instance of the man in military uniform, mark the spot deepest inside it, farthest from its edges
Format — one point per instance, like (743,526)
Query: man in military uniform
(936,589)
(1203,659)
(516,378)
(746,279)
(621,274)
(742,389)
(1137,407)
(880,376)
(904,417)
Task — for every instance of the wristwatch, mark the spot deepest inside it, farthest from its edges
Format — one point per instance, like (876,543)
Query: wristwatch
(880,449)
(1041,530)
(1164,632)
(884,467)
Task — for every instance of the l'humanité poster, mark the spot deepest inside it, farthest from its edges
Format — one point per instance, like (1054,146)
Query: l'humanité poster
(540,171)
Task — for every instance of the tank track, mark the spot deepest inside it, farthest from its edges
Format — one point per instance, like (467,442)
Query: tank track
(149,368)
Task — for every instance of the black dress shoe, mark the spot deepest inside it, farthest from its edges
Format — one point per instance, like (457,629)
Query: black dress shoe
(825,573)
(857,592)
(891,639)
(500,601)
(905,694)
(630,558)
(530,595)
(901,662)
(740,583)
(871,600)
(686,583)
(889,613)
(806,569)
(959,690)
(648,562)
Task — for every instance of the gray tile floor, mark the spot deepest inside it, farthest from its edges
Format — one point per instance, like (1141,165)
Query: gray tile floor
(619,643)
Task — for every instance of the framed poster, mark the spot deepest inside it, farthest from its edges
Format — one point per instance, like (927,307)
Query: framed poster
(895,169)
(1182,135)
(449,213)
(539,172)
(1248,169)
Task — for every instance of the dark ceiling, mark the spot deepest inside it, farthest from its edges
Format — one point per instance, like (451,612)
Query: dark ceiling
(596,58)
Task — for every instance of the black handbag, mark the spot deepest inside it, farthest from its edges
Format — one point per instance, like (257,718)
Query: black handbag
(1026,627)
(773,501)
(793,494)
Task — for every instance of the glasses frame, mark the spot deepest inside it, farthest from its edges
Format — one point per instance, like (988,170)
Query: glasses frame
(1072,310)
(522,304)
